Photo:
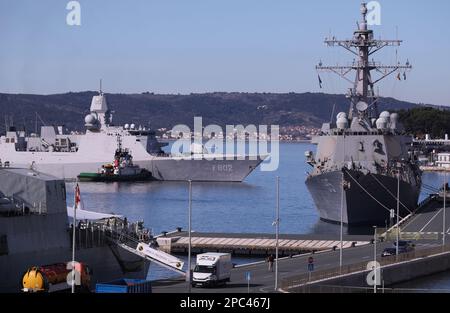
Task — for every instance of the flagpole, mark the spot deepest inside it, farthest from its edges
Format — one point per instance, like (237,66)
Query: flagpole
(73,237)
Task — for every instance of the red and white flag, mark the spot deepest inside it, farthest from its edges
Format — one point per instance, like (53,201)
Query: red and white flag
(77,196)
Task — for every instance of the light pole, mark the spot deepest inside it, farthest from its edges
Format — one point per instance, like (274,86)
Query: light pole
(398,213)
(342,210)
(375,259)
(76,200)
(277,226)
(188,275)
(444,230)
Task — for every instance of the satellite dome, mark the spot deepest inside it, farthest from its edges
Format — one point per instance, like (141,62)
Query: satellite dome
(342,114)
(342,123)
(382,123)
(90,119)
(132,126)
(394,120)
(394,117)
(127,126)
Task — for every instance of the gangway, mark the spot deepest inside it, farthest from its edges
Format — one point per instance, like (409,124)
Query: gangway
(147,251)
(156,256)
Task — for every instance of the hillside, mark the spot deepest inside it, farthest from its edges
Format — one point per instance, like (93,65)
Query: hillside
(165,111)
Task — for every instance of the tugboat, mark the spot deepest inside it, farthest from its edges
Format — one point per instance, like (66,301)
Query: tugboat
(122,169)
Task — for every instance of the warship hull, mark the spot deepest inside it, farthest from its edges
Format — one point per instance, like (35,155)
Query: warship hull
(367,202)
(164,169)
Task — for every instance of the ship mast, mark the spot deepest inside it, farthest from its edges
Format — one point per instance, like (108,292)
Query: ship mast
(363,100)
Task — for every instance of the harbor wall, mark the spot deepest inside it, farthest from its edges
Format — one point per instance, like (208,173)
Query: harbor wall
(390,275)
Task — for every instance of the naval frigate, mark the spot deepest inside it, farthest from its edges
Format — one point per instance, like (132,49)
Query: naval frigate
(67,155)
(362,162)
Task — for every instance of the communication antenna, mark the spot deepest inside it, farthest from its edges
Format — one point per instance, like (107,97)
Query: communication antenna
(363,46)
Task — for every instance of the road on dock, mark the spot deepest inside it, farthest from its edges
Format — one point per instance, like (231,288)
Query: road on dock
(263,281)
(429,221)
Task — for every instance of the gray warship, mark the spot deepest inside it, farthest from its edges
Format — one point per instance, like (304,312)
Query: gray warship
(65,155)
(34,231)
(362,160)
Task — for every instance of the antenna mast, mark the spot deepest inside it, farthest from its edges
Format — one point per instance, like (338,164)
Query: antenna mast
(363,45)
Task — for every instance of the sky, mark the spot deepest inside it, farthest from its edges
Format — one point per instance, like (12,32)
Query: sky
(195,46)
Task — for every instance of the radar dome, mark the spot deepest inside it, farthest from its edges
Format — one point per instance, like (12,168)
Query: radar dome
(90,119)
(132,126)
(394,120)
(385,115)
(382,123)
(342,123)
(394,117)
(342,114)
(127,126)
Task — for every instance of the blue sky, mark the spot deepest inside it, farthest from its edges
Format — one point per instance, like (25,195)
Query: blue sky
(184,46)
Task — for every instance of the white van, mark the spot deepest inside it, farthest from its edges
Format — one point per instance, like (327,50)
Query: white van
(212,269)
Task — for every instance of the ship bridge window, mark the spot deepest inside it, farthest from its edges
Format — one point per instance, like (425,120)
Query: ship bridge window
(3,245)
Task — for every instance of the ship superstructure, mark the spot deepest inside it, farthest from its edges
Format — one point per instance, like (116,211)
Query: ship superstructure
(362,159)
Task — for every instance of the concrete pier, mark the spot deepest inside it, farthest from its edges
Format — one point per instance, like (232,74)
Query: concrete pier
(255,244)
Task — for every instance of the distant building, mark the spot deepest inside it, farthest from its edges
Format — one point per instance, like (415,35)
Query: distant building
(443,160)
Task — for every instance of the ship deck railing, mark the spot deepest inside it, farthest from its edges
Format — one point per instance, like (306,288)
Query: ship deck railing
(99,233)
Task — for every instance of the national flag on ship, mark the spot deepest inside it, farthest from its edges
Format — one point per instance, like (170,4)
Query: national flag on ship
(320,81)
(77,196)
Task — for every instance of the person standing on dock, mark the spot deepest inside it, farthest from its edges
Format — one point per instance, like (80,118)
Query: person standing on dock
(271,260)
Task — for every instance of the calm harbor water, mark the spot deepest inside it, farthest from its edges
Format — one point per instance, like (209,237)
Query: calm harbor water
(247,207)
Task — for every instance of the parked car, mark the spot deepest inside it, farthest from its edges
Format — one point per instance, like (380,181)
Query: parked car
(403,247)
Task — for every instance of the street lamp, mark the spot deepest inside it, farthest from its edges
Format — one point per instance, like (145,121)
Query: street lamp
(277,225)
(398,213)
(188,274)
(444,230)
(343,190)
(375,258)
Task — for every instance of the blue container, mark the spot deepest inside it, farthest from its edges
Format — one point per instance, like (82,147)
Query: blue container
(125,286)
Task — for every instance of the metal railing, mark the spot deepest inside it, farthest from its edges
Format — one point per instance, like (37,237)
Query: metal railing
(302,280)
(368,290)
(99,233)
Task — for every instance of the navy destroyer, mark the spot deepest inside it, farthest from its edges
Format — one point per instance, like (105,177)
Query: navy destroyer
(362,161)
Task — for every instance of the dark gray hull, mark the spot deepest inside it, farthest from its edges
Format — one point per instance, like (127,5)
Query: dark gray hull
(366,203)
